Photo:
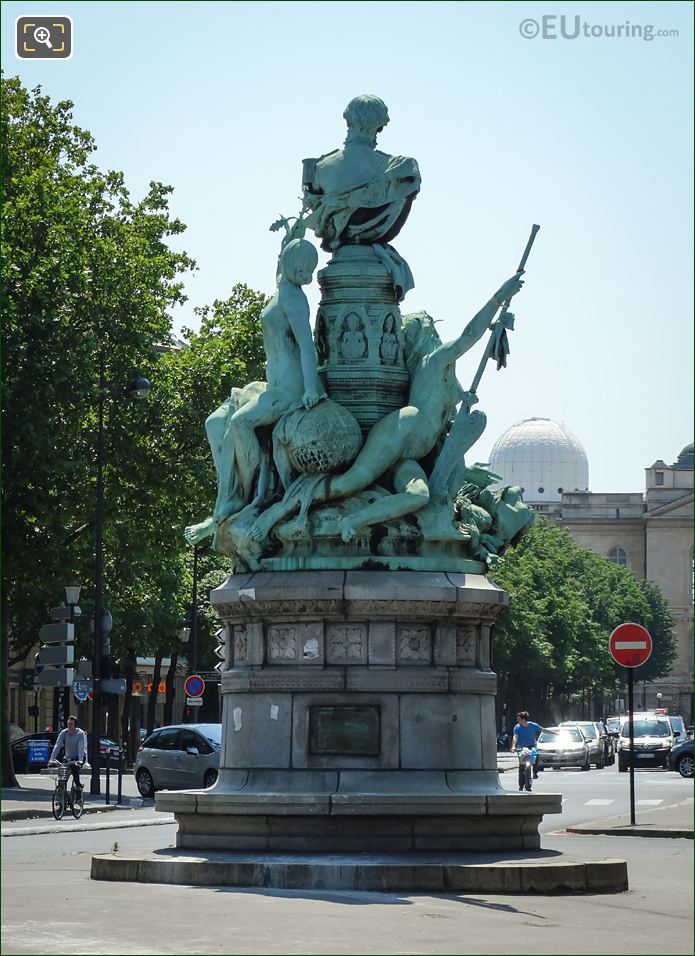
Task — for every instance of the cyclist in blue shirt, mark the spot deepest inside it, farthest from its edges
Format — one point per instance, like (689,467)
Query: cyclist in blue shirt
(524,735)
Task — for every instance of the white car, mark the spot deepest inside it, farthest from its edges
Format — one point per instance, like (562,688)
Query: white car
(653,741)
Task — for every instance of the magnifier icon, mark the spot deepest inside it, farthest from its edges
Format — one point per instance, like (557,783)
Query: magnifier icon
(43,35)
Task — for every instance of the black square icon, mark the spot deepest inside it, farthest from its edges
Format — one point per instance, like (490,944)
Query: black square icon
(44,38)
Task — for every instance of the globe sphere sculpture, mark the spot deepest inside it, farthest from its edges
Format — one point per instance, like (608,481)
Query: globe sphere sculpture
(322,439)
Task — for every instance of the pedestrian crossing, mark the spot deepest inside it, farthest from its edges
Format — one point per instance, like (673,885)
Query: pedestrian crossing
(607,803)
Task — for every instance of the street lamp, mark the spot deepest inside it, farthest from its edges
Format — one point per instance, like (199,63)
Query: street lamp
(659,696)
(138,387)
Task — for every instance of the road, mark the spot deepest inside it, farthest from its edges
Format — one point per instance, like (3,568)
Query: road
(601,793)
(51,905)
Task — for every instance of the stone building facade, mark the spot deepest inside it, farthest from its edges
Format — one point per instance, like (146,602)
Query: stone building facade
(650,532)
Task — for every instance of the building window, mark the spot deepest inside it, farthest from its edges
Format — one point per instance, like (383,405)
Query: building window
(659,477)
(618,556)
(541,490)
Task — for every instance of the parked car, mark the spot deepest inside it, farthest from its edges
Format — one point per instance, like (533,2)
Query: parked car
(653,741)
(178,757)
(677,728)
(599,749)
(20,751)
(681,758)
(109,751)
(563,747)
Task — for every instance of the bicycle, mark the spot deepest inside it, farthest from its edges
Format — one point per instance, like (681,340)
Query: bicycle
(527,759)
(63,798)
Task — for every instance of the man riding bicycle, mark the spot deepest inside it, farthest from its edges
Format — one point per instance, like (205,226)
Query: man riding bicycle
(524,735)
(73,742)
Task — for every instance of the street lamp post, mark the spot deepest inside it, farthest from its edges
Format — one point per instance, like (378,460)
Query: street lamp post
(72,596)
(137,388)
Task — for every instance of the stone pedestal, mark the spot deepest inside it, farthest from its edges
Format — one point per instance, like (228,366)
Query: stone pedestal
(358,715)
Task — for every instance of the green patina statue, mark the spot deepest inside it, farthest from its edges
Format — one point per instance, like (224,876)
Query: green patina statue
(352,454)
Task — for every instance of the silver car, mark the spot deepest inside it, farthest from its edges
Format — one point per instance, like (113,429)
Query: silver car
(179,757)
(597,739)
(563,747)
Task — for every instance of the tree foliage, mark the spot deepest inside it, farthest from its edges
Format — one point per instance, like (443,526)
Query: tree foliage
(88,272)
(550,648)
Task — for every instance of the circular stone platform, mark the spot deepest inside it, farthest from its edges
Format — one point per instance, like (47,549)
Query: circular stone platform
(547,873)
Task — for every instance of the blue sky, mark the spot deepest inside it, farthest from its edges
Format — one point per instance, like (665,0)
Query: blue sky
(590,137)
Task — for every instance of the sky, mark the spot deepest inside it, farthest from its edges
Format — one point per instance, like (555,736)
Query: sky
(589,136)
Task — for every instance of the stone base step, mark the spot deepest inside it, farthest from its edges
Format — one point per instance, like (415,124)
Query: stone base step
(544,873)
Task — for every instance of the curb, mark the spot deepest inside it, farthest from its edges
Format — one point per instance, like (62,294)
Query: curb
(371,875)
(83,827)
(38,813)
(661,832)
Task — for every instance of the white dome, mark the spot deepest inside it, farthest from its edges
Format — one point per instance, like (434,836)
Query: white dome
(543,457)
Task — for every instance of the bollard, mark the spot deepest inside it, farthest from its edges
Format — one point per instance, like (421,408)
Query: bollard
(119,797)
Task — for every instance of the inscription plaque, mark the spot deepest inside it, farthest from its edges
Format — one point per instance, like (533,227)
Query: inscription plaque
(344,731)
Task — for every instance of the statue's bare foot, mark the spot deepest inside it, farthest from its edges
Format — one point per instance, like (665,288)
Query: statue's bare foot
(195,533)
(348,529)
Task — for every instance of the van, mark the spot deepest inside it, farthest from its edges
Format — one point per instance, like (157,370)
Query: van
(653,741)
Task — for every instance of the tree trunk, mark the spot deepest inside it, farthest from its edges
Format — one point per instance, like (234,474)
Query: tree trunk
(152,702)
(8,775)
(171,690)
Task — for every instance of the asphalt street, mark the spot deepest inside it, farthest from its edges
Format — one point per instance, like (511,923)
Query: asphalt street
(51,905)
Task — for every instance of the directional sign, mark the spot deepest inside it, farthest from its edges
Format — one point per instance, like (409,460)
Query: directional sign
(630,645)
(57,633)
(194,701)
(56,677)
(56,654)
(61,613)
(79,690)
(194,686)
(113,686)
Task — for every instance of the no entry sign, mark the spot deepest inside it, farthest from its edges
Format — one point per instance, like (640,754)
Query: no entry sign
(194,686)
(630,645)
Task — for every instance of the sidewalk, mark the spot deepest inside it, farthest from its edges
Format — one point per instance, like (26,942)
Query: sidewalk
(32,800)
(674,821)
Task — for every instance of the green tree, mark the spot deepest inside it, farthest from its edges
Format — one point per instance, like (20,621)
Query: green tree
(550,648)
(86,272)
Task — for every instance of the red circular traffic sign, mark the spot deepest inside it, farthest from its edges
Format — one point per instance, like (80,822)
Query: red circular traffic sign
(194,686)
(630,645)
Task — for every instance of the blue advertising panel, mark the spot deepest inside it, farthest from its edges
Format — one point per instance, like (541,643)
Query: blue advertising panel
(38,751)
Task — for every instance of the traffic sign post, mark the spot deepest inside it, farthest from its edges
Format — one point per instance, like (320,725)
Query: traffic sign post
(630,646)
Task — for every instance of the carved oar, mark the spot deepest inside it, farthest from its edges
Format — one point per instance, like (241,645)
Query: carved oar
(487,354)
(466,428)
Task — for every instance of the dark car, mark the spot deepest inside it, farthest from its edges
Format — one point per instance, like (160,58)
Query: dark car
(108,752)
(20,751)
(681,758)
